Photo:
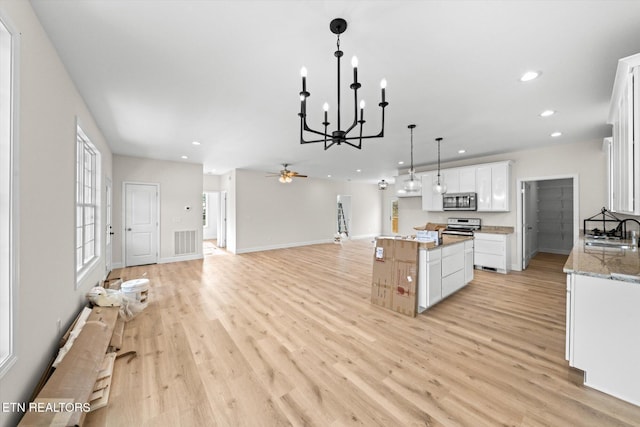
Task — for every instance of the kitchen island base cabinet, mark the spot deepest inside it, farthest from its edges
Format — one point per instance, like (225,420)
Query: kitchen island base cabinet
(603,330)
(441,272)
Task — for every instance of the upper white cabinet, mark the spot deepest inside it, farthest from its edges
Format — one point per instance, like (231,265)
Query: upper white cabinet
(490,181)
(460,180)
(431,200)
(492,186)
(623,147)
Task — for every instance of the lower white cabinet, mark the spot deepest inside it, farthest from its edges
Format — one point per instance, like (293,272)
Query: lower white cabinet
(602,334)
(492,252)
(468,261)
(442,271)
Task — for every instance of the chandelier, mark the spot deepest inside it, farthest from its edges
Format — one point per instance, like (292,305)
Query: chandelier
(339,136)
(412,185)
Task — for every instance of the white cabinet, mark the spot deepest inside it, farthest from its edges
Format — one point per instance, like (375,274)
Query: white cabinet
(624,145)
(602,331)
(451,178)
(452,268)
(460,180)
(399,187)
(492,186)
(434,277)
(431,200)
(468,179)
(468,261)
(492,252)
(490,181)
(442,271)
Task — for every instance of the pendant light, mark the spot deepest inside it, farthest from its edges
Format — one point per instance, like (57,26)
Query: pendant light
(440,188)
(412,185)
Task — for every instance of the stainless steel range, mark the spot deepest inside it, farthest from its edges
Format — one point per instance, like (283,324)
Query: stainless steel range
(462,226)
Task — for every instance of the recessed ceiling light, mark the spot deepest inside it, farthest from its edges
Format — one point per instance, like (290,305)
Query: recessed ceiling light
(556,134)
(547,113)
(328,176)
(462,151)
(195,143)
(401,162)
(530,75)
(358,170)
(184,157)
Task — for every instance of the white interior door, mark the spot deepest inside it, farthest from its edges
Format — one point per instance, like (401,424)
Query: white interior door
(141,224)
(108,229)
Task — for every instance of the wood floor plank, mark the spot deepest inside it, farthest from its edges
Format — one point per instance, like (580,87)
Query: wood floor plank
(289,337)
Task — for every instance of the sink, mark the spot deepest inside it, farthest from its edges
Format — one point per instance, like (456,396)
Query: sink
(617,244)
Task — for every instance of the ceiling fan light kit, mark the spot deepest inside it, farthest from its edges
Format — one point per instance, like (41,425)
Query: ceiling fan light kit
(412,185)
(339,136)
(285,176)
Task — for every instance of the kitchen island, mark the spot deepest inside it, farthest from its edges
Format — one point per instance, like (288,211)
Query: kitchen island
(603,318)
(410,276)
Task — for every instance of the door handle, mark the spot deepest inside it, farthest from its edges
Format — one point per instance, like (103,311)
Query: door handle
(128,229)
(112,233)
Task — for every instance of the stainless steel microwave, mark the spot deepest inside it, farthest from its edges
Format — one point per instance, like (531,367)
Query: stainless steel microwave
(459,202)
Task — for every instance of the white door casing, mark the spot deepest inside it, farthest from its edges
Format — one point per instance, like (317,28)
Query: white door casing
(108,249)
(141,223)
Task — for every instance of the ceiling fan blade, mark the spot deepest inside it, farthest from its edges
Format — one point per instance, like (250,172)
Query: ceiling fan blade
(299,176)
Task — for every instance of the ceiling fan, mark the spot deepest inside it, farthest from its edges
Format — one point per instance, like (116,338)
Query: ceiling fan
(286,175)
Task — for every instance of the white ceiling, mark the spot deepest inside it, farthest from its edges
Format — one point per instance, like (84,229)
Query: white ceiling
(158,75)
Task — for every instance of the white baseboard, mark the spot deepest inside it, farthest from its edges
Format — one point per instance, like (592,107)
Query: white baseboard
(281,246)
(180,258)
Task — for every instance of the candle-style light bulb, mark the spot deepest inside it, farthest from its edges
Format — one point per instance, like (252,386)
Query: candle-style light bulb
(361,109)
(325,106)
(303,73)
(362,104)
(354,64)
(383,86)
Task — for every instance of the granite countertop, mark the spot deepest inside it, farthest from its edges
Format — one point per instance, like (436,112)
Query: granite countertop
(604,262)
(495,229)
(491,229)
(446,240)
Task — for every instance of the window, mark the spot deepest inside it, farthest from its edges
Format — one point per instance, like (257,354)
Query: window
(87,203)
(8,186)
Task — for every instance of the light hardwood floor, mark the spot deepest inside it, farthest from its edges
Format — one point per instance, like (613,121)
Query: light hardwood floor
(289,337)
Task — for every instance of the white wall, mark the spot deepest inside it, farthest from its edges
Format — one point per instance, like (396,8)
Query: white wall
(586,160)
(49,105)
(211,183)
(180,186)
(272,215)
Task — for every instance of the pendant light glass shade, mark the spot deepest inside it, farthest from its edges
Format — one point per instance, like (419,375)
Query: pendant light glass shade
(412,185)
(440,186)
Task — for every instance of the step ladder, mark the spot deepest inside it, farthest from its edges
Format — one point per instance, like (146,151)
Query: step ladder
(342,225)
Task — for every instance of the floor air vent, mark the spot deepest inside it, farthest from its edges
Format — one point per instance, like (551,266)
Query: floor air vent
(185,242)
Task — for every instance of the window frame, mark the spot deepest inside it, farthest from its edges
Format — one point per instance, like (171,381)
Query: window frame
(87,199)
(9,206)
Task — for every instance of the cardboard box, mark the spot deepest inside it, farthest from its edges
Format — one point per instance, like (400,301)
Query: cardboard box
(382,277)
(395,273)
(405,288)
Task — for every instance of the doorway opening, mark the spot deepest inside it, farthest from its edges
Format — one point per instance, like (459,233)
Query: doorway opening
(214,222)
(547,216)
